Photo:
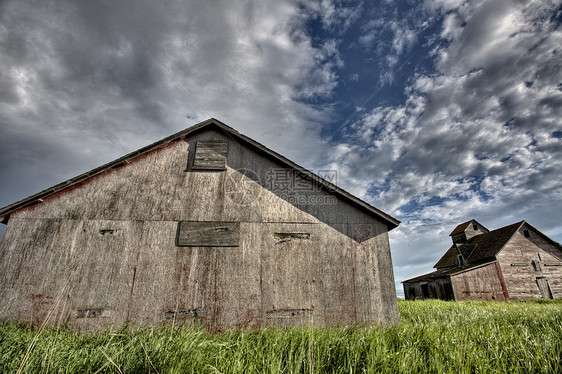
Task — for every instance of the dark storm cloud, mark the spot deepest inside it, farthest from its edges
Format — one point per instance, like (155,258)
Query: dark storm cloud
(86,82)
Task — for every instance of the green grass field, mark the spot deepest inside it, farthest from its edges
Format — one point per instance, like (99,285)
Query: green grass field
(433,336)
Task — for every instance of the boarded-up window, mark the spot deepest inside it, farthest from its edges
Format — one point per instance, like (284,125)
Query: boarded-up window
(208,234)
(282,237)
(544,288)
(210,155)
(185,313)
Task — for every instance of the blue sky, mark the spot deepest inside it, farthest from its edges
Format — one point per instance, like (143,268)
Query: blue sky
(436,112)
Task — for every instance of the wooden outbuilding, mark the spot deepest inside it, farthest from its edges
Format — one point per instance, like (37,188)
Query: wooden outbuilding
(511,263)
(205,227)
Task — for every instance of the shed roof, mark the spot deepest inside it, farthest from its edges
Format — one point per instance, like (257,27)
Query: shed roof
(211,123)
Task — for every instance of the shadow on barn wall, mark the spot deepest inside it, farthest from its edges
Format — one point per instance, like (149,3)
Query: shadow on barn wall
(199,228)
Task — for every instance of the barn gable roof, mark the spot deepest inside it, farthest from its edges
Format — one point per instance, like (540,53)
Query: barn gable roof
(463,226)
(460,228)
(481,247)
(208,124)
(480,250)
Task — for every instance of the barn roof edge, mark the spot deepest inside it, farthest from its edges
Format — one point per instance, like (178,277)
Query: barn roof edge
(37,198)
(450,271)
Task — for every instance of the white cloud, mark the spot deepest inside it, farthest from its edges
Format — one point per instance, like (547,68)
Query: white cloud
(404,38)
(334,14)
(473,140)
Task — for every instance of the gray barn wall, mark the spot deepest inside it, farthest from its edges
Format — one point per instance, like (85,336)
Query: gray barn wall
(104,252)
(516,260)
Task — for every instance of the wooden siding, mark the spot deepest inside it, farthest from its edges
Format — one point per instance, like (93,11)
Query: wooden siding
(156,186)
(104,252)
(481,283)
(70,268)
(138,273)
(516,260)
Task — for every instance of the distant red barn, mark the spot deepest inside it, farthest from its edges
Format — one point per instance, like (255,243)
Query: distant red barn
(513,262)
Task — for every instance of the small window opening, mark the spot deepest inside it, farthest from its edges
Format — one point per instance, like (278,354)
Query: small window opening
(527,233)
(460,260)
(475,227)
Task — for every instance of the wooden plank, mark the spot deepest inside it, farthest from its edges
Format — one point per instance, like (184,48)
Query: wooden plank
(544,288)
(208,234)
(176,279)
(210,155)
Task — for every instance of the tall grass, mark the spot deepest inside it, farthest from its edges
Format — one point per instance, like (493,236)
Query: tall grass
(433,336)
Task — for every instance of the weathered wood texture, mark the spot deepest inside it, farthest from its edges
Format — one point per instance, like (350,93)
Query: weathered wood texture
(68,267)
(155,186)
(208,234)
(520,275)
(481,283)
(471,231)
(210,155)
(105,251)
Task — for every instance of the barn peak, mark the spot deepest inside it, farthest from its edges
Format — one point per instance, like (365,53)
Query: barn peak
(467,230)
(209,124)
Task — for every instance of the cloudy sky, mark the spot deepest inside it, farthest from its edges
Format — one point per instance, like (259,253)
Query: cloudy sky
(436,112)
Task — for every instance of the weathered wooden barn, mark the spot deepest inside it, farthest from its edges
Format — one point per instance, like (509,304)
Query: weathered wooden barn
(204,227)
(511,263)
